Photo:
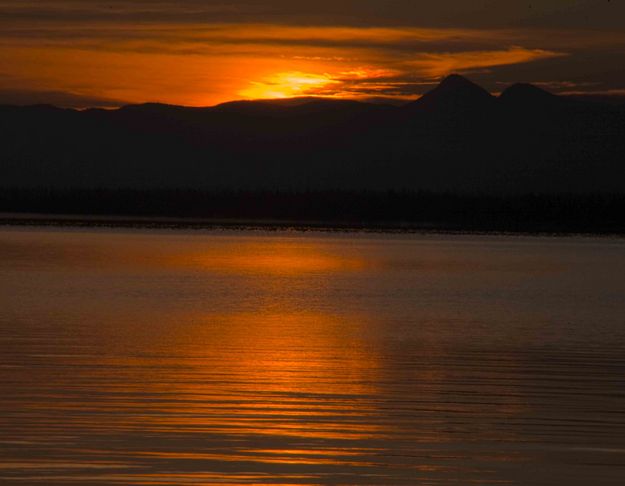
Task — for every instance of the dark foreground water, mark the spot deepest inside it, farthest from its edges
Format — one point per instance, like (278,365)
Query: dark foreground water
(176,358)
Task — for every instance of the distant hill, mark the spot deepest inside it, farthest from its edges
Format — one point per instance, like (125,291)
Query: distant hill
(456,138)
(456,96)
(527,96)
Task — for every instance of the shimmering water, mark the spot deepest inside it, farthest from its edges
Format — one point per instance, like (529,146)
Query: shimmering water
(138,357)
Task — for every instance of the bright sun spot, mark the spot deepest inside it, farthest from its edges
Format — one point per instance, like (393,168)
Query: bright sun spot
(287,85)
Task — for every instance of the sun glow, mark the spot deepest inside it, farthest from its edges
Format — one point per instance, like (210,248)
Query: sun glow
(206,64)
(287,85)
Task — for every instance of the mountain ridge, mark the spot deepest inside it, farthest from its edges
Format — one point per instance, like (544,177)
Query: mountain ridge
(459,138)
(447,86)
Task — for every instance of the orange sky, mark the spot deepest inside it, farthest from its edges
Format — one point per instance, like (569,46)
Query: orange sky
(203,53)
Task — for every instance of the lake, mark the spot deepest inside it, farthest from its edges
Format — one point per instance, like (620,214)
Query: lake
(159,357)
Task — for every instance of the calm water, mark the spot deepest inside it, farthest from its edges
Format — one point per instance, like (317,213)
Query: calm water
(175,358)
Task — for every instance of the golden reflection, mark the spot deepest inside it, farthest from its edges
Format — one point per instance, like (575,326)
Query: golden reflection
(268,256)
(284,355)
(274,257)
(245,357)
(287,457)
(265,374)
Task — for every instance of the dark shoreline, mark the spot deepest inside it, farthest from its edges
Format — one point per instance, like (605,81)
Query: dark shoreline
(8,220)
(340,210)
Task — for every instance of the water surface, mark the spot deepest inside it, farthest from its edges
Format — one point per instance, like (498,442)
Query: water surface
(168,358)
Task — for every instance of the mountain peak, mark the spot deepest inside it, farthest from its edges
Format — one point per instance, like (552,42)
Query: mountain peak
(460,84)
(455,81)
(524,91)
(454,93)
(525,96)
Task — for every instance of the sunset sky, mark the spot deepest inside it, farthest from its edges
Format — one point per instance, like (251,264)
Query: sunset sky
(81,53)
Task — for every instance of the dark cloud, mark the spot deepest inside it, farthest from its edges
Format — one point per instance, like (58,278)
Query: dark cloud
(593,14)
(198,40)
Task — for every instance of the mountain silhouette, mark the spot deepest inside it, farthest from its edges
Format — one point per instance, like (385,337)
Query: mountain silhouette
(454,95)
(522,92)
(456,138)
(529,97)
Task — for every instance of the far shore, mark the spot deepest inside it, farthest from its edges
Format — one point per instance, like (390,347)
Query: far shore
(181,223)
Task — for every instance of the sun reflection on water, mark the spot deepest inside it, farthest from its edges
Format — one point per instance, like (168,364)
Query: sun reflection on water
(277,258)
(173,359)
